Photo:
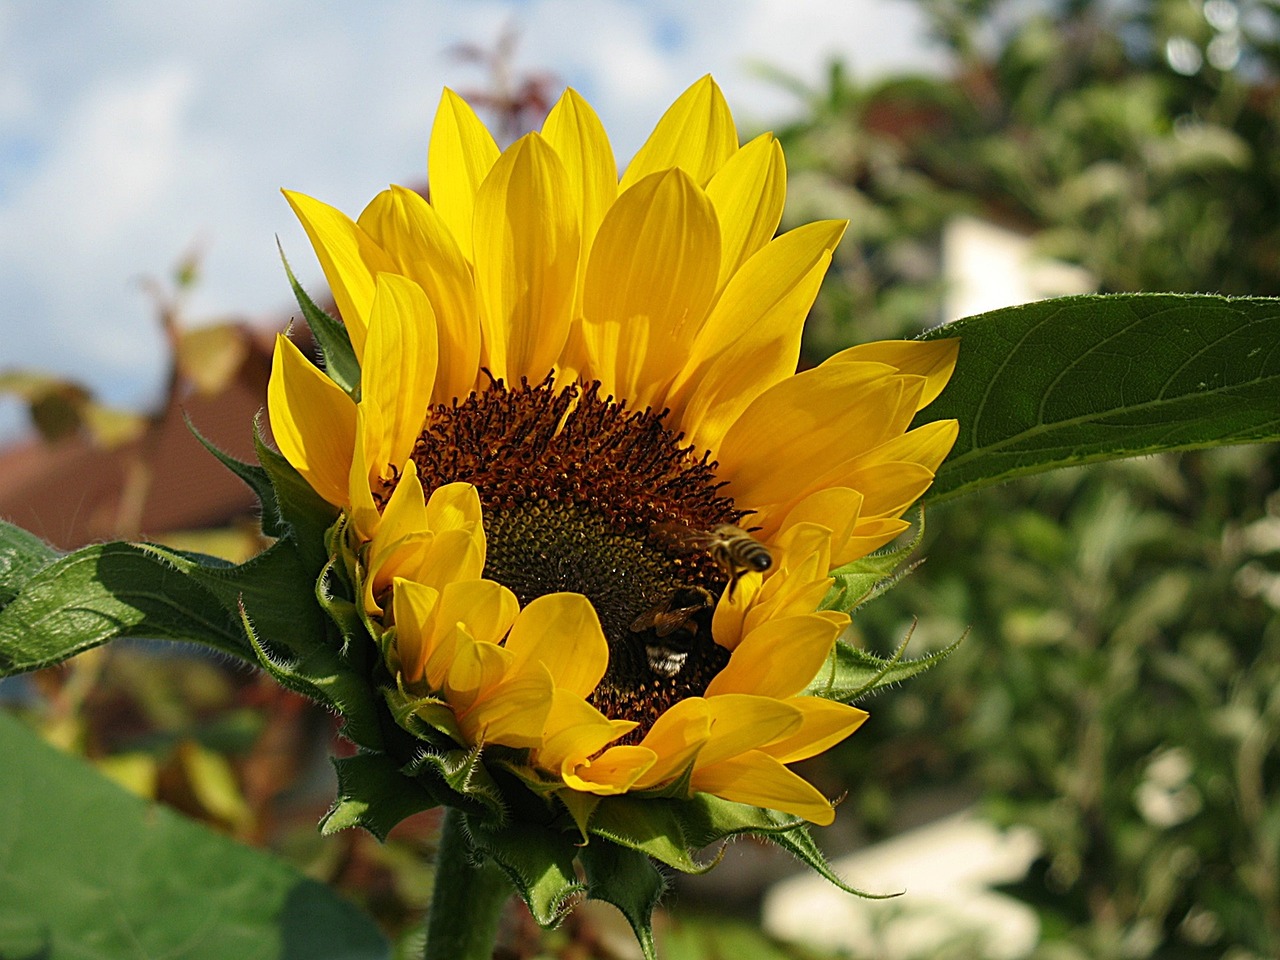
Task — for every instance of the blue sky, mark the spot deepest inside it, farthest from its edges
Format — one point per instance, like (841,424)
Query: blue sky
(132,129)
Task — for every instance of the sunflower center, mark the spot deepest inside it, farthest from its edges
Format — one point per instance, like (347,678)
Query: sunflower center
(581,494)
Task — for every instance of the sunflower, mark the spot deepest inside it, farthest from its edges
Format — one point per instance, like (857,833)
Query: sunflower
(588,507)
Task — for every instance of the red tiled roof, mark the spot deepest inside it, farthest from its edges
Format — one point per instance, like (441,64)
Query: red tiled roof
(73,491)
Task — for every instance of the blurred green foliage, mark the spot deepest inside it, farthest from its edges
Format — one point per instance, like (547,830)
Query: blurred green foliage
(1119,691)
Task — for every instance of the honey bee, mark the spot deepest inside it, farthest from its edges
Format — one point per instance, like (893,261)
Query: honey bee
(672,627)
(735,550)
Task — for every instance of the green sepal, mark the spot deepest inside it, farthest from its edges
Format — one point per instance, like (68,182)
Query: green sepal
(374,794)
(851,673)
(429,719)
(656,828)
(338,607)
(538,861)
(253,475)
(795,839)
(868,577)
(460,779)
(22,556)
(331,336)
(303,510)
(580,807)
(319,673)
(627,879)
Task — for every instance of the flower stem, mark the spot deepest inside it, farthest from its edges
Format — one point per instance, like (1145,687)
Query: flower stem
(466,902)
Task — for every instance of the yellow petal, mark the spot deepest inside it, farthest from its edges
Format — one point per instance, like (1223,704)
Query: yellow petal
(526,259)
(740,722)
(454,506)
(927,445)
(414,606)
(476,669)
(364,475)
(422,248)
(872,535)
(728,620)
(777,659)
(574,131)
(562,631)
(387,560)
(614,771)
(839,508)
(312,420)
(405,513)
(825,723)
(453,555)
(399,367)
(574,731)
(935,360)
(459,156)
(350,260)
(748,192)
(675,738)
(792,431)
(696,134)
(761,781)
(649,285)
(751,340)
(514,712)
(487,608)
(888,488)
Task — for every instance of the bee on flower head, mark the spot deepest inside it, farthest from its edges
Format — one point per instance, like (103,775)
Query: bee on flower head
(672,628)
(733,548)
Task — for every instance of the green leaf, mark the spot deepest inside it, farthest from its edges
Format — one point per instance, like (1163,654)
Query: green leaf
(22,555)
(1082,379)
(374,794)
(335,344)
(105,592)
(627,879)
(87,870)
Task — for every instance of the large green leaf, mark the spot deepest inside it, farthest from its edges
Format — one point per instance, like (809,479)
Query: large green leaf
(22,555)
(89,871)
(1080,379)
(108,591)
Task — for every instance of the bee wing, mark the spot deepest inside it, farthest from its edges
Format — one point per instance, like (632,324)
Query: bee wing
(681,537)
